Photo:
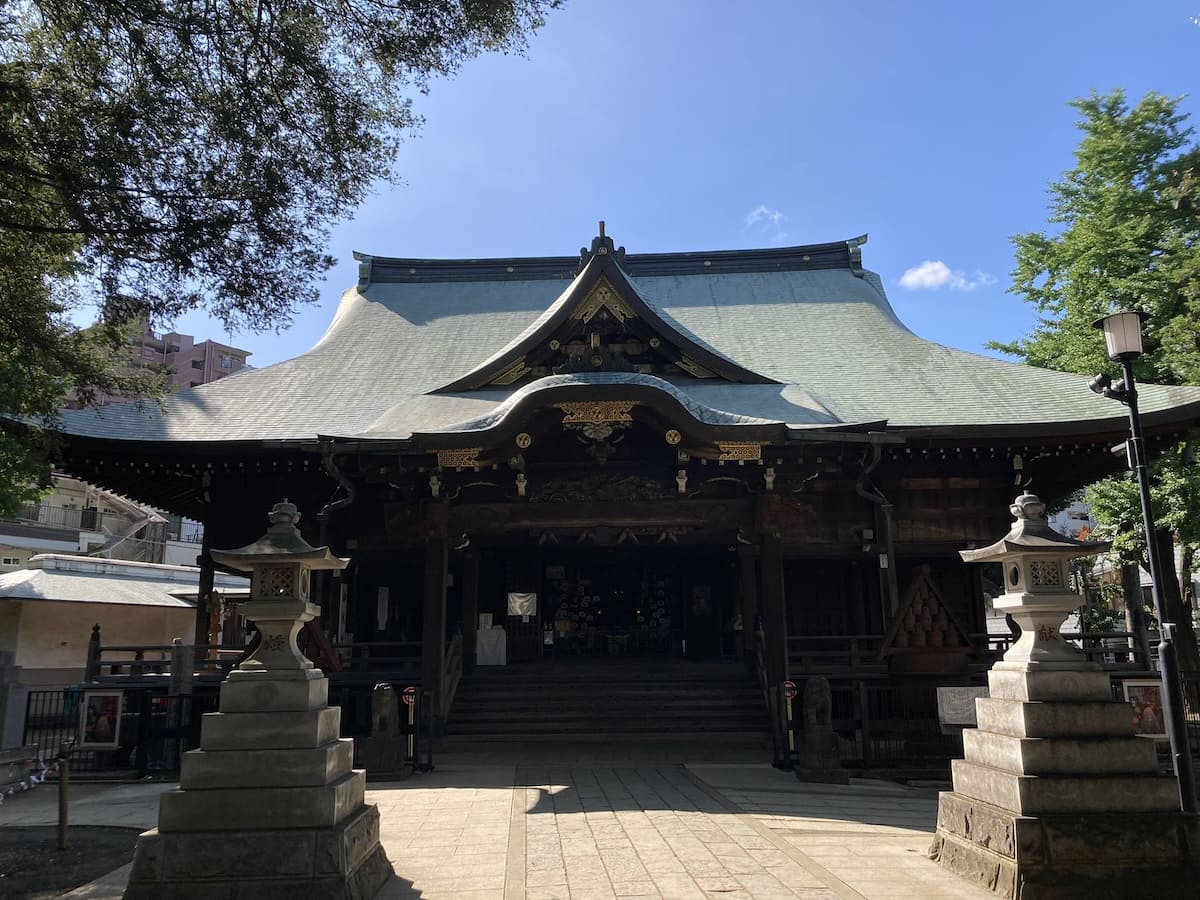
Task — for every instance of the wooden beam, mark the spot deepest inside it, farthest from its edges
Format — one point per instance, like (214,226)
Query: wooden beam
(433,635)
(470,606)
(748,592)
(773,610)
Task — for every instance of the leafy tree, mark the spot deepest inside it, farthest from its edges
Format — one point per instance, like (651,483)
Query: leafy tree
(1126,234)
(163,155)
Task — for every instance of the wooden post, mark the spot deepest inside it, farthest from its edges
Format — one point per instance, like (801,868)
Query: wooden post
(64,775)
(748,591)
(470,607)
(204,594)
(433,635)
(774,611)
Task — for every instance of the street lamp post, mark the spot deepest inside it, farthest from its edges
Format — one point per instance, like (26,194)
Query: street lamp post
(1123,337)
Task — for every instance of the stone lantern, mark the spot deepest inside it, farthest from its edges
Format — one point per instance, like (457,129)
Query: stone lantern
(1055,795)
(1036,560)
(270,805)
(280,564)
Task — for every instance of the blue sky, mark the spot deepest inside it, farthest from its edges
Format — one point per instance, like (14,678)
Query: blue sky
(934,127)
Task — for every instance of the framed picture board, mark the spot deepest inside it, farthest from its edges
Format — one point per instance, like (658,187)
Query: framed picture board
(100,719)
(1145,696)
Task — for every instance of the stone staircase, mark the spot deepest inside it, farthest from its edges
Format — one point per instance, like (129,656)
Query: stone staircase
(623,699)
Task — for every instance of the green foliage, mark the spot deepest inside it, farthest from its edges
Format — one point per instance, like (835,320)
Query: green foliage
(1126,235)
(163,155)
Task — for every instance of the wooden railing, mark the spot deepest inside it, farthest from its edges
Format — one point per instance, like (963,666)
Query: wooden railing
(401,659)
(132,662)
(831,654)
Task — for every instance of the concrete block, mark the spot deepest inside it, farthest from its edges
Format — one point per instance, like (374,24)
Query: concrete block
(262,694)
(1047,756)
(239,854)
(1064,794)
(208,769)
(269,730)
(1049,686)
(345,862)
(261,808)
(1041,719)
(985,868)
(1092,856)
(147,857)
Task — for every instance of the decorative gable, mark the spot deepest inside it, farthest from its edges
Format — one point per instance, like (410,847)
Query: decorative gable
(601,324)
(923,623)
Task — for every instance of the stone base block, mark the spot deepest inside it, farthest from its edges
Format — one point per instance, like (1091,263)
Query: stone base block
(385,753)
(1067,794)
(342,862)
(1052,756)
(1043,719)
(268,807)
(263,691)
(270,730)
(822,776)
(1049,686)
(309,767)
(1066,856)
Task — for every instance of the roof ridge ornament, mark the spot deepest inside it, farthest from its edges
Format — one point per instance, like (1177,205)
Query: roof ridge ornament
(602,245)
(854,246)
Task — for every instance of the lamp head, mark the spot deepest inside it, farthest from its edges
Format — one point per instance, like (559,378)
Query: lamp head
(1122,334)
(1100,384)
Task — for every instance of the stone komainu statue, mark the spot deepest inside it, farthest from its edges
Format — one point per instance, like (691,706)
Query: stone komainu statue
(818,704)
(385,710)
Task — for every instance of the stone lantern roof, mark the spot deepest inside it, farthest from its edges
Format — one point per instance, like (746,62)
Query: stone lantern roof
(1031,533)
(282,543)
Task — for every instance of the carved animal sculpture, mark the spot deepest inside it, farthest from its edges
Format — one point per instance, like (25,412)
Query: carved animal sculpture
(385,710)
(818,703)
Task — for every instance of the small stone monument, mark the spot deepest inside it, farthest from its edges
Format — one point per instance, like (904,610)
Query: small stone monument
(385,746)
(1056,796)
(818,756)
(269,806)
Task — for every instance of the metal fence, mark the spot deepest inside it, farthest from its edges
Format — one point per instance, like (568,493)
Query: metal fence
(116,731)
(891,724)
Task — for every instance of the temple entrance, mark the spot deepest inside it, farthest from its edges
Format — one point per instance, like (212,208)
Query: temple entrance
(596,603)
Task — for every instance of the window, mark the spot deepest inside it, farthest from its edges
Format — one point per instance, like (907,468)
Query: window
(9,561)
(226,361)
(197,364)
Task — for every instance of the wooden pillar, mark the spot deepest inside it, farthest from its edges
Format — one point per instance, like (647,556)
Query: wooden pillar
(748,594)
(204,593)
(433,635)
(470,606)
(773,610)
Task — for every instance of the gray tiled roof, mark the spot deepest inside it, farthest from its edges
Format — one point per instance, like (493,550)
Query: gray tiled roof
(828,335)
(75,579)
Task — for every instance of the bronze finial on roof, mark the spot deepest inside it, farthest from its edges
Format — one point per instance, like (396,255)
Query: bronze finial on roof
(602,245)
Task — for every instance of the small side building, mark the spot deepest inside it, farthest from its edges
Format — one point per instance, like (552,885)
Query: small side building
(48,610)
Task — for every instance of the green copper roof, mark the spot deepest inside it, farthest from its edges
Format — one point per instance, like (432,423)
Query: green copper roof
(808,318)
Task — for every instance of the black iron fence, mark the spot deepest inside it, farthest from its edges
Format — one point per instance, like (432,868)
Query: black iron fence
(880,724)
(133,731)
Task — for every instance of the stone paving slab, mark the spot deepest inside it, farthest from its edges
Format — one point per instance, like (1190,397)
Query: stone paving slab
(471,830)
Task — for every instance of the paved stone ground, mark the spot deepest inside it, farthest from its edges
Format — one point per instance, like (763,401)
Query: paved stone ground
(634,828)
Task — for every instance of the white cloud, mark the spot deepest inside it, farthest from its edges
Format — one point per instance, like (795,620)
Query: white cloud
(765,215)
(932,275)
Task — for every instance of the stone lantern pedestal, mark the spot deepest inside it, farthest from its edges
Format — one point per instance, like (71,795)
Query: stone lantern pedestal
(1056,797)
(270,805)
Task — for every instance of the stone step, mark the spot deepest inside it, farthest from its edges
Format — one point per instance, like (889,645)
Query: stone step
(1048,756)
(206,769)
(269,730)
(1045,719)
(267,808)
(1039,794)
